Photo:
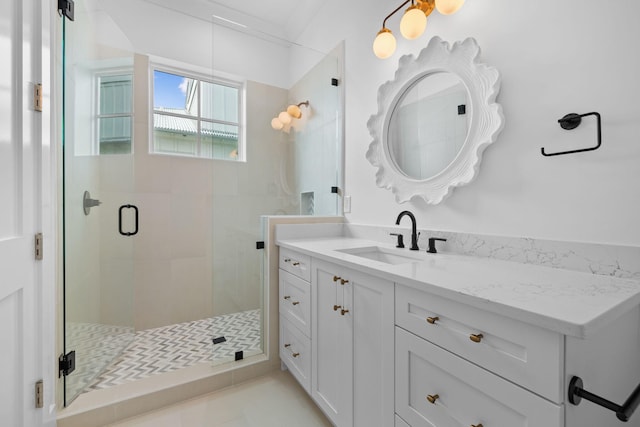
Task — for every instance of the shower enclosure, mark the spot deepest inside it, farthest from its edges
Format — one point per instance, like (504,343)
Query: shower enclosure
(161,220)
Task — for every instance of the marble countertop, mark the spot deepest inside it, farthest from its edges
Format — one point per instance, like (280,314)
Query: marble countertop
(569,302)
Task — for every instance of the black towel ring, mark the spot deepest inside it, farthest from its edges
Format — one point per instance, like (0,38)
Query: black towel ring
(572,121)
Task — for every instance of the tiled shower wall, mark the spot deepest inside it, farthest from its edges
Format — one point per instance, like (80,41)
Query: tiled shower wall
(195,216)
(198,216)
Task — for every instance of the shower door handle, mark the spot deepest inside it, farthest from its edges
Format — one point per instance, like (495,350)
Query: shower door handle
(135,211)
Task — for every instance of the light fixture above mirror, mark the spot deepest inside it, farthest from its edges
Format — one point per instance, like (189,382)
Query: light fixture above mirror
(412,24)
(284,119)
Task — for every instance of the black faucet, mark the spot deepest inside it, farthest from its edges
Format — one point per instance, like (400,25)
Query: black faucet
(414,233)
(432,244)
(400,242)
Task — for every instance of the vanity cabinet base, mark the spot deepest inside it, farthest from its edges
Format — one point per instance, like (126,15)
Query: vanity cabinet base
(373,353)
(437,388)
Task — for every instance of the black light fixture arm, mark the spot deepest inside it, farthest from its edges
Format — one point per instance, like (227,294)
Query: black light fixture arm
(384,23)
(624,412)
(572,121)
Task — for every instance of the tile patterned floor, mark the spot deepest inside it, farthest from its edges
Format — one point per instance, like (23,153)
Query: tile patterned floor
(96,345)
(172,347)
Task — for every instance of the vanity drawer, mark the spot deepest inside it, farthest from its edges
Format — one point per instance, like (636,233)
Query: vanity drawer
(400,422)
(462,393)
(295,352)
(295,263)
(295,301)
(527,355)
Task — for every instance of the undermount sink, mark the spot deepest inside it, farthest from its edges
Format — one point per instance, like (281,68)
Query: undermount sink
(380,254)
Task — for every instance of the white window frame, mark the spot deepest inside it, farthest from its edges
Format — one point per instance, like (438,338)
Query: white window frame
(95,131)
(197,73)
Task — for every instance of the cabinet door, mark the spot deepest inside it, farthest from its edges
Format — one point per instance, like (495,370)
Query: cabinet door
(353,345)
(373,350)
(331,337)
(436,388)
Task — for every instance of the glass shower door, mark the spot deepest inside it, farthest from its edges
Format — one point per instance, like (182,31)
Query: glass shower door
(238,290)
(99,213)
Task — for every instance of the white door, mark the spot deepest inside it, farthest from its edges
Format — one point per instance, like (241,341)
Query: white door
(19,181)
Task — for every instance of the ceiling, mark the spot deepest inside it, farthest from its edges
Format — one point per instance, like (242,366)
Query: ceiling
(279,19)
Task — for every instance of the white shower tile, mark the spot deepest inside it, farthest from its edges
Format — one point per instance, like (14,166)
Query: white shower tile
(117,291)
(152,173)
(191,284)
(153,239)
(191,175)
(190,215)
(116,173)
(225,178)
(153,296)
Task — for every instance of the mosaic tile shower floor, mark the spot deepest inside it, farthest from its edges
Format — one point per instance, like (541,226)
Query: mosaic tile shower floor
(172,347)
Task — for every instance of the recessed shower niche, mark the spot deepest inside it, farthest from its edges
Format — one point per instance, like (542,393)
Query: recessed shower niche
(307,203)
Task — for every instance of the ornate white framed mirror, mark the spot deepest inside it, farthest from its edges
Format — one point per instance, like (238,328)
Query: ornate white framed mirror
(434,120)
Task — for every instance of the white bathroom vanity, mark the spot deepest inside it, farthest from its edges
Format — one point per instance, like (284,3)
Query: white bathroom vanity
(381,336)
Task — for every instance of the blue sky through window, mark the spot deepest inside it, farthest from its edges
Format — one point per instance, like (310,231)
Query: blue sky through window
(169,90)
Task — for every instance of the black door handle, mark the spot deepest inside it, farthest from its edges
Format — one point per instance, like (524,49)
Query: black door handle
(135,211)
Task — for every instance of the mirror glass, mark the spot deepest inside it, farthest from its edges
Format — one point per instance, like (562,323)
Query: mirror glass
(428,125)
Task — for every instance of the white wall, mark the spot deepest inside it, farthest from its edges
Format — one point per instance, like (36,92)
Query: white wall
(158,31)
(555,58)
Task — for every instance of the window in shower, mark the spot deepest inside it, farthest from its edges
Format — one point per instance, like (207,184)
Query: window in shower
(196,116)
(114,115)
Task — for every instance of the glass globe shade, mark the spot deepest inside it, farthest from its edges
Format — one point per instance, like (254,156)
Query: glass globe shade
(448,7)
(276,124)
(284,117)
(385,44)
(294,111)
(413,23)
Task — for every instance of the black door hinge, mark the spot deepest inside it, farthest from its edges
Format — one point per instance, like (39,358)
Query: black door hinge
(66,364)
(66,8)
(259,245)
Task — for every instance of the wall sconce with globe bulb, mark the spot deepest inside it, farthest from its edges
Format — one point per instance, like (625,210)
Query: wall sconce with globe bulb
(412,24)
(284,119)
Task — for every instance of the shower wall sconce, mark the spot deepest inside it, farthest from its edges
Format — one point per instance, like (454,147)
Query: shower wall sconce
(412,24)
(285,117)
